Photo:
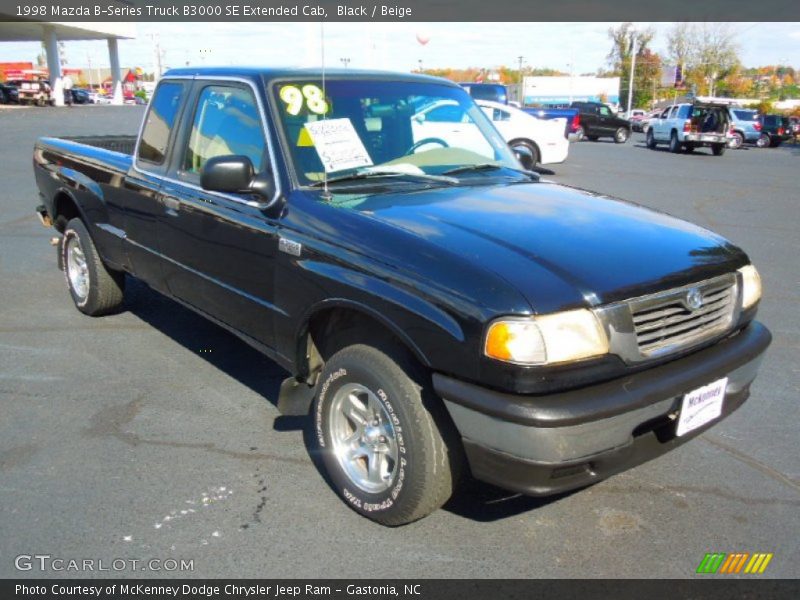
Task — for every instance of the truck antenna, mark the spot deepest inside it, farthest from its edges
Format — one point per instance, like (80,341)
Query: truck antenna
(325,193)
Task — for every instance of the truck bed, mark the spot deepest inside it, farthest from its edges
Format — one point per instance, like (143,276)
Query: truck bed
(124,144)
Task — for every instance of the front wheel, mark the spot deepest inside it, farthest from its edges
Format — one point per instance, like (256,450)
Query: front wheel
(382,440)
(650,139)
(621,135)
(94,288)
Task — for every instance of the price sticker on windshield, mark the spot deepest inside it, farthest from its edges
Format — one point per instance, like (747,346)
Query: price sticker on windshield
(338,145)
(308,95)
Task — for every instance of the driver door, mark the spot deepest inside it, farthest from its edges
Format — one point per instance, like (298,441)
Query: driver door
(219,247)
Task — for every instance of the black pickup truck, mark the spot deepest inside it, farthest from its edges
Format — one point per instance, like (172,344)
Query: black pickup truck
(439,309)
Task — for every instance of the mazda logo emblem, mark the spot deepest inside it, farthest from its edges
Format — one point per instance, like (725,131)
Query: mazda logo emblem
(694,299)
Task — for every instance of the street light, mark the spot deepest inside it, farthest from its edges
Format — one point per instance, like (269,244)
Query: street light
(519,93)
(345,61)
(420,65)
(633,70)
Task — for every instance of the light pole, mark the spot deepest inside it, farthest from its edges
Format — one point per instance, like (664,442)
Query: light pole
(633,70)
(519,93)
(345,61)
(420,65)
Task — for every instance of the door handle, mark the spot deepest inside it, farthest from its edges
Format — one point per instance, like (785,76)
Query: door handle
(171,204)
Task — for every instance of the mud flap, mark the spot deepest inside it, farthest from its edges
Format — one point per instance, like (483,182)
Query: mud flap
(295,397)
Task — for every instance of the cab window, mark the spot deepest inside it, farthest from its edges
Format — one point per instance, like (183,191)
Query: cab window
(226,122)
(160,121)
(604,111)
(500,115)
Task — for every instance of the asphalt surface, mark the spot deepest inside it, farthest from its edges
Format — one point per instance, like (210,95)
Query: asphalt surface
(153,434)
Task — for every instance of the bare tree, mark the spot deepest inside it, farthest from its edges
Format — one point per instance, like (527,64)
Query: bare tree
(717,52)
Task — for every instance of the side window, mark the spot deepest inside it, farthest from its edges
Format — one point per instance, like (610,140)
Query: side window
(447,113)
(665,114)
(500,115)
(684,112)
(604,111)
(226,121)
(160,120)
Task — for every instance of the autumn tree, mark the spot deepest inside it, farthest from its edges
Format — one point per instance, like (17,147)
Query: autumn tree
(619,57)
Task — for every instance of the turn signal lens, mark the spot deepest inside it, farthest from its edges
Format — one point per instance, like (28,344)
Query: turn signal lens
(547,339)
(751,286)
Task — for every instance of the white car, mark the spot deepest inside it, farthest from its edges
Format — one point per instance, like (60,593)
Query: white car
(545,139)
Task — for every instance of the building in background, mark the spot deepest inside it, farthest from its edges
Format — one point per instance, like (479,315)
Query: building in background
(561,90)
(51,33)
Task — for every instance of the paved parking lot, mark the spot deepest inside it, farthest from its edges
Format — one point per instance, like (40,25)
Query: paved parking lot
(153,434)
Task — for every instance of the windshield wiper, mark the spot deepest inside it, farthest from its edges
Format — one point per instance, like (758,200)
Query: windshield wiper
(381,173)
(490,167)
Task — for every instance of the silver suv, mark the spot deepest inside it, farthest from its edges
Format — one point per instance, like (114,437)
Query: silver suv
(745,127)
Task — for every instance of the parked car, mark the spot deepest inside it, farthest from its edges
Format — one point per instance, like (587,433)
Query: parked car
(36,92)
(487,91)
(544,139)
(691,126)
(745,126)
(646,120)
(81,96)
(598,121)
(439,310)
(572,128)
(636,118)
(775,130)
(9,93)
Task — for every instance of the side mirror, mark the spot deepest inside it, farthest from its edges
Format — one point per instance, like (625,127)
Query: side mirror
(524,156)
(229,174)
(234,174)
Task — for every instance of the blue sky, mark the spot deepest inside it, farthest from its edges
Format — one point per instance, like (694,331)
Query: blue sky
(394,46)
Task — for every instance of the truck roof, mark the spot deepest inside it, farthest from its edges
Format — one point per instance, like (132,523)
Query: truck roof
(271,73)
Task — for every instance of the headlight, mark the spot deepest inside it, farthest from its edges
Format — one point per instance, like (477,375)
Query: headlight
(546,339)
(751,286)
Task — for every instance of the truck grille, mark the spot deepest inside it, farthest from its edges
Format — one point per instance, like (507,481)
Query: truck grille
(683,317)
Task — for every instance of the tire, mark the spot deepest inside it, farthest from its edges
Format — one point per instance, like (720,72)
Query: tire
(532,148)
(674,144)
(718,149)
(580,134)
(762,141)
(40,102)
(737,141)
(650,139)
(415,468)
(94,288)
(621,135)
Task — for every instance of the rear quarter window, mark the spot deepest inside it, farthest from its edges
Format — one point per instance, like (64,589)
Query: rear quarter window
(160,121)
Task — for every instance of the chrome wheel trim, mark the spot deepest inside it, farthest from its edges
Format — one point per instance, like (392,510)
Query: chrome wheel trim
(622,135)
(737,141)
(363,438)
(77,270)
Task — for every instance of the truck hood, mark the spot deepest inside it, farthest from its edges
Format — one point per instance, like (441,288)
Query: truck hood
(560,247)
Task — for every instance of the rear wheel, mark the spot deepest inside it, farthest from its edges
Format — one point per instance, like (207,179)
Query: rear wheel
(383,439)
(531,147)
(650,139)
(718,149)
(674,144)
(580,134)
(762,141)
(736,141)
(621,135)
(94,288)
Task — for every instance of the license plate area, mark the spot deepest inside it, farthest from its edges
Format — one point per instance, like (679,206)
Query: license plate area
(701,406)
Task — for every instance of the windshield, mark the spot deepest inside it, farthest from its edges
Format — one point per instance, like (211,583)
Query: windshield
(414,128)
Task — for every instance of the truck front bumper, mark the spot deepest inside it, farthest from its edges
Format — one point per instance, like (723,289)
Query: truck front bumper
(541,445)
